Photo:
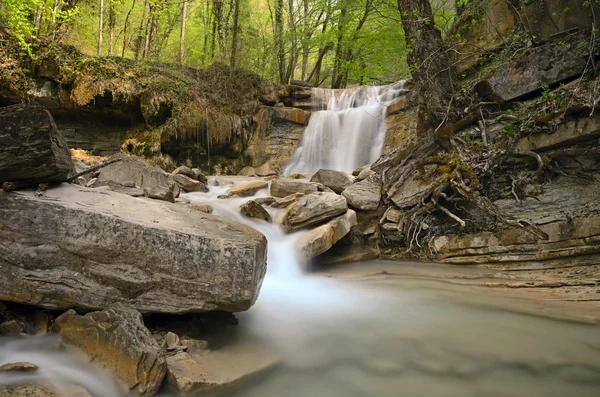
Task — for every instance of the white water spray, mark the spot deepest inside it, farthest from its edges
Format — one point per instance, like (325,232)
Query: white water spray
(347,133)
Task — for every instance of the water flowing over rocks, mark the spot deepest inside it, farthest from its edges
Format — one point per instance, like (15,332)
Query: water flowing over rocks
(83,248)
(337,181)
(31,148)
(117,339)
(313,209)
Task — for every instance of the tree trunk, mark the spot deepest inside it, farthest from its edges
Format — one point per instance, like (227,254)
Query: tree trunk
(140,39)
(55,9)
(279,40)
(125,41)
(338,62)
(100,26)
(112,21)
(182,36)
(234,41)
(305,37)
(427,57)
(38,16)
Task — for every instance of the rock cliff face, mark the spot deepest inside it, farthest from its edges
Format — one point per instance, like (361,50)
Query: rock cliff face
(89,248)
(513,183)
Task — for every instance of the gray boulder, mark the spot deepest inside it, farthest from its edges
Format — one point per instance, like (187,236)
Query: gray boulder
(335,180)
(364,173)
(252,209)
(117,339)
(313,209)
(158,193)
(83,248)
(188,184)
(287,200)
(133,169)
(284,187)
(31,148)
(322,238)
(364,195)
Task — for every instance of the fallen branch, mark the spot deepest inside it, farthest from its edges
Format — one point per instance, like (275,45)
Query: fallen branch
(451,215)
(92,169)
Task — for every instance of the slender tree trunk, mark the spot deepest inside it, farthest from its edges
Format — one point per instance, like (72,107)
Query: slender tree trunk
(338,62)
(112,21)
(182,35)
(100,26)
(279,40)
(305,38)
(152,36)
(38,16)
(427,57)
(55,8)
(140,39)
(125,25)
(234,41)
(218,9)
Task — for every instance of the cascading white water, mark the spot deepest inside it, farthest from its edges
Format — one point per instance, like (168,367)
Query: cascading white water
(348,132)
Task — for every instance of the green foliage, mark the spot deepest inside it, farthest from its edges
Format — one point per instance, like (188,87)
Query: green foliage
(18,15)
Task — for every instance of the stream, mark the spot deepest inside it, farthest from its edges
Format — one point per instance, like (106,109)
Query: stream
(383,336)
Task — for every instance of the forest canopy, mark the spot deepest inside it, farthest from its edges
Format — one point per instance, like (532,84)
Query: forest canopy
(325,42)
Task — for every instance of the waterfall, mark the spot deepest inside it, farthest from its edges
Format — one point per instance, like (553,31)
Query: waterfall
(348,131)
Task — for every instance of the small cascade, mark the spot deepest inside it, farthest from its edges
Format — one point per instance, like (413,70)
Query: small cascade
(348,131)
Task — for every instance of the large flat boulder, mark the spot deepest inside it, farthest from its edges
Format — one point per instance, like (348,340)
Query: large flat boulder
(364,195)
(335,180)
(31,148)
(284,187)
(118,340)
(77,247)
(313,209)
(321,238)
